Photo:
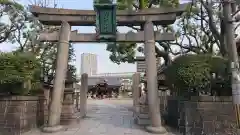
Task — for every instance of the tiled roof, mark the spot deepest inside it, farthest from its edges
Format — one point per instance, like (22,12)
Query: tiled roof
(110,80)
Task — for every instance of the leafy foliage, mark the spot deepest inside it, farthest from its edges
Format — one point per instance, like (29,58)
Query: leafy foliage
(26,38)
(19,73)
(16,16)
(71,72)
(221,82)
(122,52)
(125,52)
(23,30)
(193,74)
(49,62)
(199,30)
(11,3)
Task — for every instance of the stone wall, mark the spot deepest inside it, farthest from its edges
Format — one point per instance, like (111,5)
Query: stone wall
(163,97)
(202,115)
(43,107)
(18,114)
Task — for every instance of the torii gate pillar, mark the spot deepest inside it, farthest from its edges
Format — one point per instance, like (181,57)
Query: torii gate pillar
(151,72)
(55,109)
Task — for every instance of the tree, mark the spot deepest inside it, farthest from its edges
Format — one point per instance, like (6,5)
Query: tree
(71,74)
(45,52)
(125,52)
(200,30)
(15,16)
(19,73)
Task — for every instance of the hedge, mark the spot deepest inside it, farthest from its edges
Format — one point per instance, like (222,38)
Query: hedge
(193,74)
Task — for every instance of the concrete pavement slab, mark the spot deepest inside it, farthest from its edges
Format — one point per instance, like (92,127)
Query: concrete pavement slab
(104,117)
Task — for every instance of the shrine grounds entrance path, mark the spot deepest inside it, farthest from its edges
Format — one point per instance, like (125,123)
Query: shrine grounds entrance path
(104,117)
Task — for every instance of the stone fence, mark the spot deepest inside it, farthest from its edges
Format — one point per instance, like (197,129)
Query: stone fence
(19,114)
(205,115)
(201,115)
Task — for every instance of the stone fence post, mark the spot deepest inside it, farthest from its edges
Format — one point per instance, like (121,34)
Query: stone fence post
(135,90)
(77,100)
(83,94)
(44,101)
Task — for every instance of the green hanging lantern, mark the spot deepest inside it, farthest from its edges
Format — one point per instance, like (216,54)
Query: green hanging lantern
(105,19)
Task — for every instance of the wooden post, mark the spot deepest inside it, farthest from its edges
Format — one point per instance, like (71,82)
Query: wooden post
(59,80)
(83,95)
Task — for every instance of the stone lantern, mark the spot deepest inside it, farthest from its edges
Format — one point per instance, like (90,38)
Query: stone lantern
(68,108)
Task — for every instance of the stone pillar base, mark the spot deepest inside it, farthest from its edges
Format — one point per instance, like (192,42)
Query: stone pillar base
(52,129)
(157,130)
(71,119)
(141,115)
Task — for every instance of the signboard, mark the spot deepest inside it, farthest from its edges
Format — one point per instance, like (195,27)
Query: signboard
(141,66)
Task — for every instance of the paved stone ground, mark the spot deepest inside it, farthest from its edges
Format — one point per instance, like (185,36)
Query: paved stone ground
(104,117)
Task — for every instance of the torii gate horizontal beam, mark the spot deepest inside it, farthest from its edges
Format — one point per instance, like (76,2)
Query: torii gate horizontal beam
(90,20)
(55,16)
(86,37)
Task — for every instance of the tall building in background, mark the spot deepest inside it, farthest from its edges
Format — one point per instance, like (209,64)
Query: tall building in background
(89,64)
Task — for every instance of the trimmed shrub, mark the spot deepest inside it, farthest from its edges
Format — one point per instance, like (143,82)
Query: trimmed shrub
(194,74)
(19,73)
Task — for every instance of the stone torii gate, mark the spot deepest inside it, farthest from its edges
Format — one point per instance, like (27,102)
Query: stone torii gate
(69,17)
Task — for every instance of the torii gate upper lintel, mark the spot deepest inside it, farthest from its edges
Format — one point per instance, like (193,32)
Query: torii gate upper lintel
(159,16)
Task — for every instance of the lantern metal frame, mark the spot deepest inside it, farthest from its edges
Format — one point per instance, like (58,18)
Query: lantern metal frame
(101,9)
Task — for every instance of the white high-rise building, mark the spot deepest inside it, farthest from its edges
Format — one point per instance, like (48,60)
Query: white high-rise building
(89,64)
